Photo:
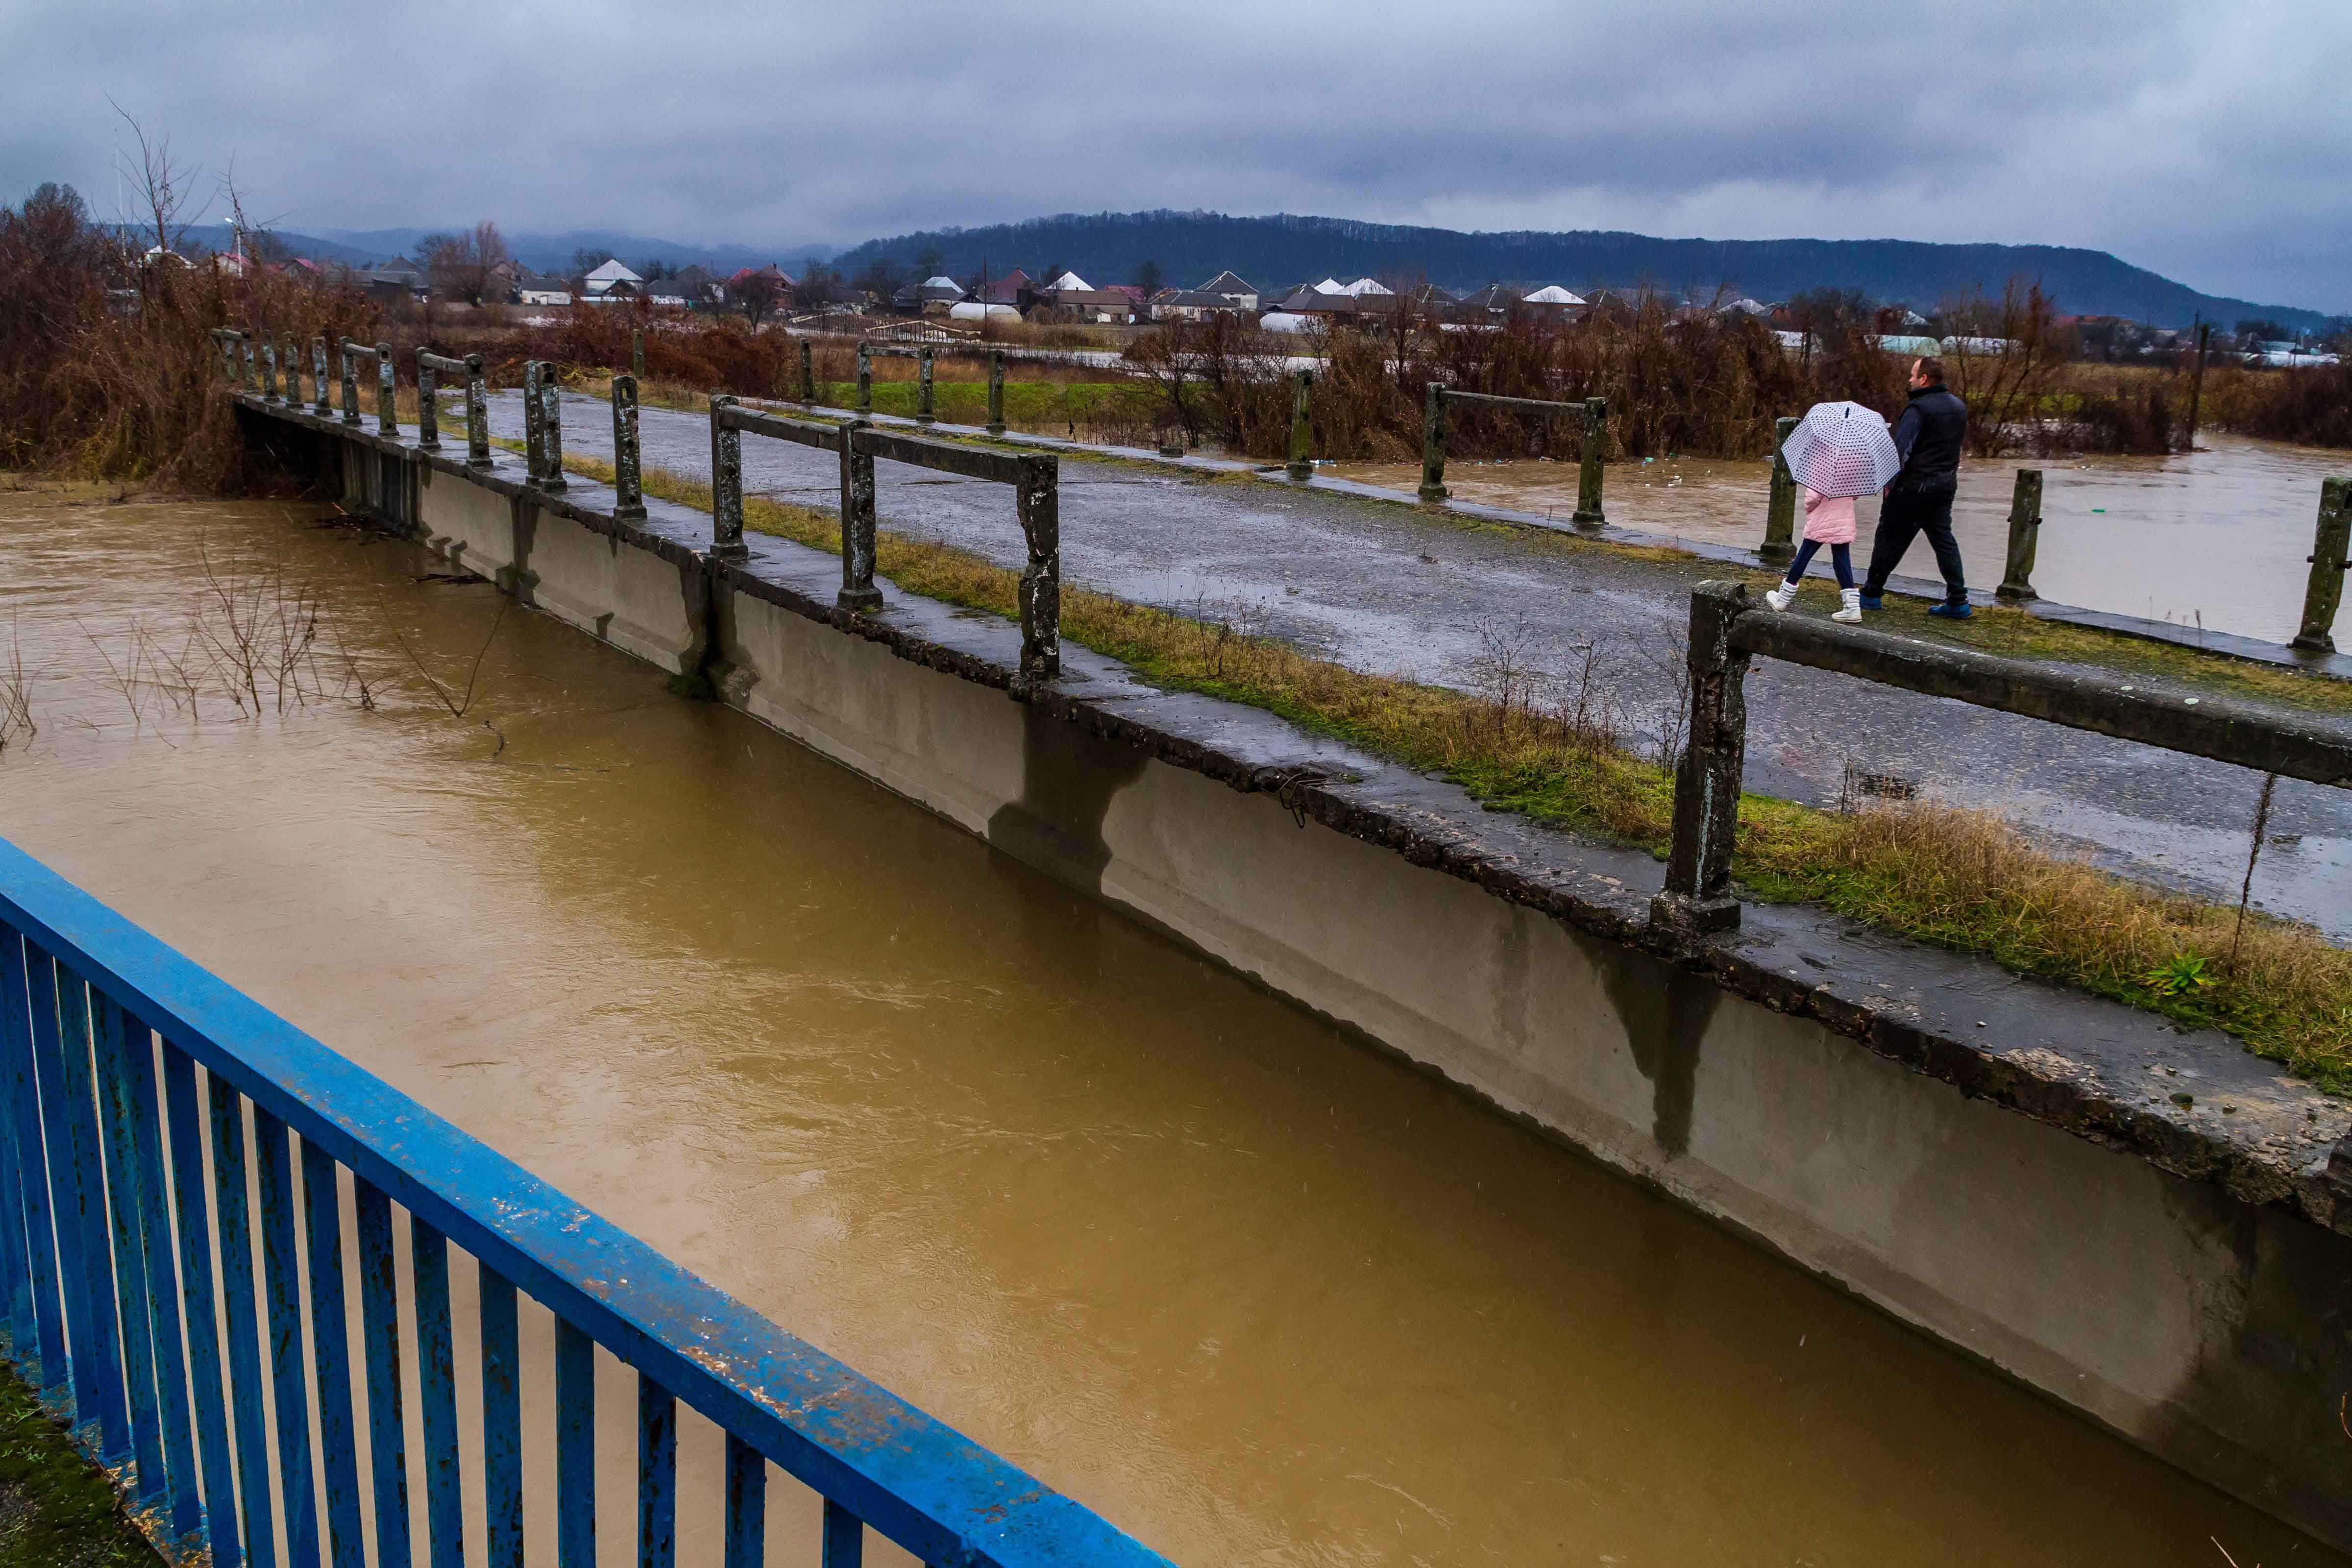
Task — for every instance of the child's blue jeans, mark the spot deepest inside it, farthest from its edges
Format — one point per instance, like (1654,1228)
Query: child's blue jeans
(1841,557)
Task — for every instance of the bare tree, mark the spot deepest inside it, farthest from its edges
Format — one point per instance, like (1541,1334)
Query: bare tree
(1168,357)
(466,267)
(759,293)
(2002,358)
(160,184)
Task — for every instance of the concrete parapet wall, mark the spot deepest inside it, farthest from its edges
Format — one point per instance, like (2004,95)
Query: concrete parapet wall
(2181,1281)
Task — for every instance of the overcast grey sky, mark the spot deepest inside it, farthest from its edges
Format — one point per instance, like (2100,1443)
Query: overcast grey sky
(2211,142)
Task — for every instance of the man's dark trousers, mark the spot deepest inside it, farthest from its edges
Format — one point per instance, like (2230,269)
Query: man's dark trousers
(1911,510)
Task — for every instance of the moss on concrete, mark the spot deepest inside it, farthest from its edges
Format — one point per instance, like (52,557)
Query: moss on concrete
(58,1510)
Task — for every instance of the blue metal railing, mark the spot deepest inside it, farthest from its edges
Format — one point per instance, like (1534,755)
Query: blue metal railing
(124,1224)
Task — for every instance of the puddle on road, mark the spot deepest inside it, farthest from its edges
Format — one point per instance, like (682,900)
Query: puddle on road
(2218,537)
(1251,1291)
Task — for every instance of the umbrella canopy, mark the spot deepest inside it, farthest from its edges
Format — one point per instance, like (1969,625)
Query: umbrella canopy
(1841,449)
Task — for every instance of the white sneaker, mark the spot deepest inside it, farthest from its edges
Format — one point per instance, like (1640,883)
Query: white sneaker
(1781,597)
(1849,608)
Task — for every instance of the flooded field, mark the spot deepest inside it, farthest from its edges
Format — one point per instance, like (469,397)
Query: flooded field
(1253,1291)
(2217,537)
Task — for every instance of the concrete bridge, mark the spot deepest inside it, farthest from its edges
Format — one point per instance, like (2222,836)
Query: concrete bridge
(2002,1164)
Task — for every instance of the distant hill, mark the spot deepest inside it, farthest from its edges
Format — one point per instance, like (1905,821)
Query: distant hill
(553,252)
(1271,252)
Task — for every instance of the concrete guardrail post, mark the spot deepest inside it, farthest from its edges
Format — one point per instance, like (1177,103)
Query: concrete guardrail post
(477,414)
(857,546)
(866,378)
(1698,897)
(1433,444)
(925,413)
(1302,427)
(428,412)
(550,428)
(2024,539)
(1779,546)
(628,474)
(227,353)
(252,365)
(637,352)
(996,392)
(268,369)
(726,484)
(532,443)
(808,374)
(1039,499)
(324,405)
(289,357)
(351,382)
(1588,470)
(387,412)
(2331,547)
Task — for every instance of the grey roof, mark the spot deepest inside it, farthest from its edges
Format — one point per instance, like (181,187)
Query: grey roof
(1194,299)
(1225,283)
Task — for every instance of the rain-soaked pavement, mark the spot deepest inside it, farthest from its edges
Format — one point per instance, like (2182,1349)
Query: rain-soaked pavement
(1182,1250)
(1386,589)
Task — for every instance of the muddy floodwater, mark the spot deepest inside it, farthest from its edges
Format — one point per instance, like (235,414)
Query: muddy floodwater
(1252,1290)
(2218,537)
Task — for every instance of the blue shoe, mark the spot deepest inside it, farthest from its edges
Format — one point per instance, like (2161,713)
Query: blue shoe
(1951,612)
(1870,602)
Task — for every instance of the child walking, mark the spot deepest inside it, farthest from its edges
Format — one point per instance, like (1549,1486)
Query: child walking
(1829,519)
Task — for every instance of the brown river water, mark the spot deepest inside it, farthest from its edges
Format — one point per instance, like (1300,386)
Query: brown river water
(2218,537)
(1253,1292)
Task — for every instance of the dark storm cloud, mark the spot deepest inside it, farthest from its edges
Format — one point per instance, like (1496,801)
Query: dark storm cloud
(2209,142)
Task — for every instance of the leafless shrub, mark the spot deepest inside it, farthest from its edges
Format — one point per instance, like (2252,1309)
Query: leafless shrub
(16,695)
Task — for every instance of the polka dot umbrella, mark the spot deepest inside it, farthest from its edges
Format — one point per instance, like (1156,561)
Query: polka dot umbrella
(1841,449)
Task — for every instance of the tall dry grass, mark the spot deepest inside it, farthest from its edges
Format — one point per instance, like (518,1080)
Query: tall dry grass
(2312,405)
(108,369)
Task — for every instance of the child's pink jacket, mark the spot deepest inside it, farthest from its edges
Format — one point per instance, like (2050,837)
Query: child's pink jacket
(1829,519)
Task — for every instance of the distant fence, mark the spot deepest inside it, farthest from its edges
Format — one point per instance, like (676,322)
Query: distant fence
(128,1262)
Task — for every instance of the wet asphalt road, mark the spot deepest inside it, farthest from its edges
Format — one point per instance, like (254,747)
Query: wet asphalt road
(1384,589)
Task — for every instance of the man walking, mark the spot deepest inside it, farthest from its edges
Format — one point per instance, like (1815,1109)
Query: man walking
(1928,438)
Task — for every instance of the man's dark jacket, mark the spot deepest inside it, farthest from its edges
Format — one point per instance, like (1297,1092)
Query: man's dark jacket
(1928,436)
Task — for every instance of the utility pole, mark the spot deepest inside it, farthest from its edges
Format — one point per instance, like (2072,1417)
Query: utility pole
(2197,383)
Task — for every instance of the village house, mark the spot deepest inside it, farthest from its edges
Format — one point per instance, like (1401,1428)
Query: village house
(537,288)
(1073,295)
(394,281)
(613,280)
(934,296)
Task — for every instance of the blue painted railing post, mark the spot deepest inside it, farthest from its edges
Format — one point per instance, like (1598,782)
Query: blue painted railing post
(379,1325)
(24,1150)
(575,1447)
(656,1475)
(163,1275)
(437,1386)
(204,1358)
(844,1538)
(78,1146)
(322,1216)
(502,1419)
(258,1510)
(747,1506)
(15,1038)
(122,1204)
(289,1389)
